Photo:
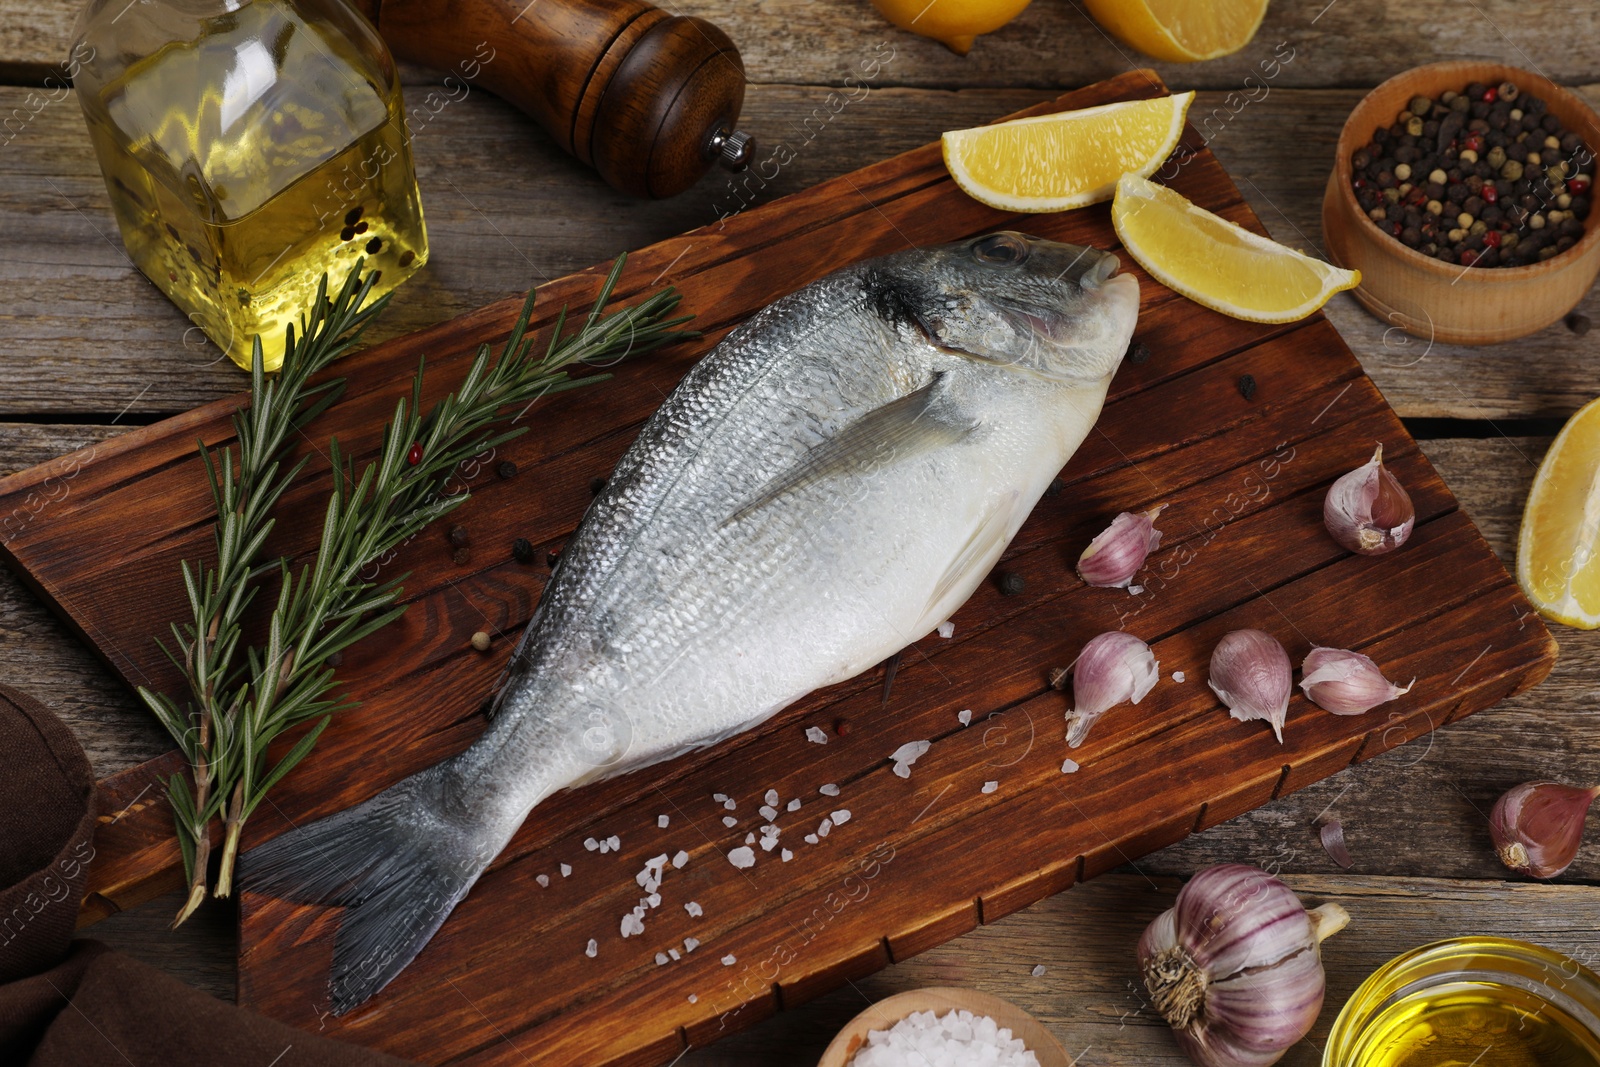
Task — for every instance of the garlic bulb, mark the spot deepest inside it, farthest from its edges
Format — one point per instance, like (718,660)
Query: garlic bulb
(1234,966)
(1250,673)
(1368,510)
(1117,552)
(1112,668)
(1537,826)
(1345,682)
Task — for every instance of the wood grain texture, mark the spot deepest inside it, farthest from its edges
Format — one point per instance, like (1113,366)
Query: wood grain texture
(85,332)
(1055,45)
(1176,427)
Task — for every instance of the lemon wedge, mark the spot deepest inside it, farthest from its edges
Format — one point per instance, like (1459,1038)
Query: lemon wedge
(1213,262)
(953,23)
(1183,31)
(1065,160)
(1558,550)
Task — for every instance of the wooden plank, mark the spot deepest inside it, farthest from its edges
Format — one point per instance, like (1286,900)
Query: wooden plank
(1178,421)
(1354,42)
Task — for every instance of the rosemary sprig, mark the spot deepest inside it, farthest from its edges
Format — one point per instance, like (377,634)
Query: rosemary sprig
(235,709)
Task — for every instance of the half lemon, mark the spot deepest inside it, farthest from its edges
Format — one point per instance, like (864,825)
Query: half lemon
(1065,160)
(1183,31)
(1213,262)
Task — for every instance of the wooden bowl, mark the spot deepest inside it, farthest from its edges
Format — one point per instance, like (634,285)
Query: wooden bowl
(885,1013)
(1436,300)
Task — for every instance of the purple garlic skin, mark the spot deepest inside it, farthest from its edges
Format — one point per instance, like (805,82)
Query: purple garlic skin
(1251,674)
(1368,510)
(1346,683)
(1117,552)
(1234,966)
(1112,668)
(1538,826)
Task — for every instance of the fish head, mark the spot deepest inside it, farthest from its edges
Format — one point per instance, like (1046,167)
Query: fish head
(1061,311)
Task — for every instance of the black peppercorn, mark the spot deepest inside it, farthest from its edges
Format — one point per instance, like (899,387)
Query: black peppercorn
(1055,487)
(1247,386)
(522,550)
(335,658)
(1578,324)
(1011,583)
(506,469)
(461,556)
(459,537)
(1138,352)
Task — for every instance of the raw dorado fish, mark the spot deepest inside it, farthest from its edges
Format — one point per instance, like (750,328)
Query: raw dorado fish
(825,487)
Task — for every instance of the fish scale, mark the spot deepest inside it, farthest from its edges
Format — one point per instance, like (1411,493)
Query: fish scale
(828,485)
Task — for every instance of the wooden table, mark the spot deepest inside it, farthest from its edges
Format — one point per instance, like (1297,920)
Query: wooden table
(88,348)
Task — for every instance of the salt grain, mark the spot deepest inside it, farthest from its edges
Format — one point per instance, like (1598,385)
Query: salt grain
(662,820)
(680,859)
(964,717)
(811,839)
(957,1038)
(730,803)
(615,842)
(990,787)
(1177,676)
(674,953)
(829,790)
(593,950)
(566,870)
(729,821)
(768,844)
(1038,970)
(786,855)
(816,736)
(632,924)
(719,797)
(907,754)
(750,838)
(947,630)
(729,960)
(1135,590)
(661,959)
(1069,766)
(590,843)
(771,798)
(768,812)
(793,805)
(690,944)
(543,880)
(693,909)
(693,998)
(742,857)
(825,827)
(841,816)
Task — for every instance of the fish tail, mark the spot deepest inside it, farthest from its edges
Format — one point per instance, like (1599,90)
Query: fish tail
(397,863)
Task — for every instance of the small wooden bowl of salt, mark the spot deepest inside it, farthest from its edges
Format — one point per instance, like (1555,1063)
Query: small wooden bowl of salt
(907,1038)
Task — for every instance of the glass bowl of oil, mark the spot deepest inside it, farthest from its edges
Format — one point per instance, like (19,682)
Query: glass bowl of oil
(1471,1002)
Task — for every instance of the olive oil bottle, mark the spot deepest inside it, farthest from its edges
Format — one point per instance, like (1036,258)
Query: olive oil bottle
(249,147)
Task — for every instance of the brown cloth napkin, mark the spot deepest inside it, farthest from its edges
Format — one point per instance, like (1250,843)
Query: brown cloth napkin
(66,1003)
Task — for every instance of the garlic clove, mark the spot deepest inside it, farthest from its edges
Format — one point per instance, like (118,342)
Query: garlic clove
(1250,673)
(1117,552)
(1368,510)
(1113,668)
(1234,966)
(1346,683)
(1538,826)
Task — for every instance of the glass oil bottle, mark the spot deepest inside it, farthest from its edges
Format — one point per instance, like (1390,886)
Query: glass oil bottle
(249,146)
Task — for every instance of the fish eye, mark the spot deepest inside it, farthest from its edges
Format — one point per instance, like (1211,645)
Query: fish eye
(1004,249)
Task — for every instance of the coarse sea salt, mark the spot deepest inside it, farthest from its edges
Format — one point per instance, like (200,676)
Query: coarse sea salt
(816,736)
(957,1039)
(824,827)
(947,630)
(964,717)
(693,998)
(786,855)
(771,798)
(729,960)
(694,909)
(793,805)
(661,959)
(1177,676)
(1135,590)
(730,803)
(730,821)
(590,843)
(662,821)
(768,812)
(1038,970)
(742,857)
(990,787)
(680,859)
(829,790)
(1069,766)
(566,870)
(543,880)
(690,944)
(840,817)
(593,950)
(907,754)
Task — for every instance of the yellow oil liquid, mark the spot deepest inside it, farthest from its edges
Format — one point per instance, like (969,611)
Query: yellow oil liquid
(1475,1025)
(244,164)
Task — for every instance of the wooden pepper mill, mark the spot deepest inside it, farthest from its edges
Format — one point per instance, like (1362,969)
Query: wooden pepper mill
(648,99)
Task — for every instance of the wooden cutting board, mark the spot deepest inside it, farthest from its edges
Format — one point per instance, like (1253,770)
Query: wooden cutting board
(987,822)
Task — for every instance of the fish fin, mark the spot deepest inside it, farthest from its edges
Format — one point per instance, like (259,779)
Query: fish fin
(903,427)
(979,552)
(390,864)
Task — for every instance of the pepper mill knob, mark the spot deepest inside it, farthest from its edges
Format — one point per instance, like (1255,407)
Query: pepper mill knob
(732,150)
(638,94)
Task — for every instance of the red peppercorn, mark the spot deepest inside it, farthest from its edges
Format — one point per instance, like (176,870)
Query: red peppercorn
(1490,95)
(1396,229)
(415,455)
(1475,143)
(1489,193)
(1468,257)
(1492,238)
(1361,183)
(1578,187)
